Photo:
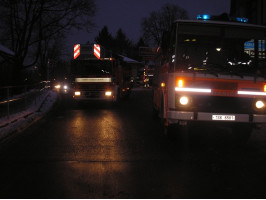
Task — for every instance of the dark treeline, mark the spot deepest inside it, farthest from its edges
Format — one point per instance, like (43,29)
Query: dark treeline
(35,31)
(119,44)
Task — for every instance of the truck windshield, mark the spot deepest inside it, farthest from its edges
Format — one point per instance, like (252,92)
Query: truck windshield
(92,68)
(220,49)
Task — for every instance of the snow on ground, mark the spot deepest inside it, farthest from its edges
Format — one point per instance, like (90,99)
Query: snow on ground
(19,121)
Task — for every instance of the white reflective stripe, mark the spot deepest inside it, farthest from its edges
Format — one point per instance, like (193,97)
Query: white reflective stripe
(202,90)
(75,54)
(97,53)
(76,47)
(76,50)
(97,47)
(94,80)
(251,93)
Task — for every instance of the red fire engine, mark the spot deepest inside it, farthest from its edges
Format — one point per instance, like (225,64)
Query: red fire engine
(211,71)
(98,75)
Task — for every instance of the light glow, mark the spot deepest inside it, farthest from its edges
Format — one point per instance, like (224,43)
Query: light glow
(260,104)
(251,93)
(93,80)
(180,83)
(162,84)
(183,100)
(203,17)
(108,93)
(57,86)
(77,93)
(200,90)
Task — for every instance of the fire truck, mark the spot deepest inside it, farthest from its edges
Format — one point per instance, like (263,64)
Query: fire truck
(211,71)
(98,77)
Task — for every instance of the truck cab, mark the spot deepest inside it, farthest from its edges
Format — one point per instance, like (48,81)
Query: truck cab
(95,79)
(211,71)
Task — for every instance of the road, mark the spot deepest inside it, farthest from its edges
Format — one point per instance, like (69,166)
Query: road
(118,151)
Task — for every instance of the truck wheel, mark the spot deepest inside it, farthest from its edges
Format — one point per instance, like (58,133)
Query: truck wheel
(242,132)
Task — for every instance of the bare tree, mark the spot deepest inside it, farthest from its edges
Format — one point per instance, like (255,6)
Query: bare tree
(160,21)
(29,25)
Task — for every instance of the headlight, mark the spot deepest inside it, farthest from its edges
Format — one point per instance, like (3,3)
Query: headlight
(108,93)
(58,86)
(259,104)
(65,87)
(77,93)
(183,100)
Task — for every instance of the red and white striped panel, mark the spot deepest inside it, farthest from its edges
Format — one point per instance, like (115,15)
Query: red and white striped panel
(76,50)
(97,51)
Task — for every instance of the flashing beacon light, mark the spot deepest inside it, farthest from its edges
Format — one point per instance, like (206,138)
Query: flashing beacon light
(241,19)
(203,17)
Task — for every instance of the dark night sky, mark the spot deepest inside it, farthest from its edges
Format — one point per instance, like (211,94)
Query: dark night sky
(127,14)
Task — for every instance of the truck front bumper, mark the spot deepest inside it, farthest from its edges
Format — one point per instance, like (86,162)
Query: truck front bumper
(176,116)
(82,98)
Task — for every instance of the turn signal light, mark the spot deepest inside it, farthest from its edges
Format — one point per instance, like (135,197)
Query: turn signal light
(162,84)
(180,83)
(264,88)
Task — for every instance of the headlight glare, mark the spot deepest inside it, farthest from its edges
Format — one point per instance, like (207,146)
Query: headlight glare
(259,104)
(183,100)
(108,93)
(77,93)
(58,86)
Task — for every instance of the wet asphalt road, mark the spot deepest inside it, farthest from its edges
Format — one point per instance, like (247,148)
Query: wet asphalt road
(118,151)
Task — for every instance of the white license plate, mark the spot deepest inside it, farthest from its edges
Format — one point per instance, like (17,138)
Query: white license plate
(224,117)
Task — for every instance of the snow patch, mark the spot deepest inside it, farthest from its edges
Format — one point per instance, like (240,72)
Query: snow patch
(19,121)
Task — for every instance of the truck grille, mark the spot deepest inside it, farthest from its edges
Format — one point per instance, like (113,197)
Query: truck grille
(91,90)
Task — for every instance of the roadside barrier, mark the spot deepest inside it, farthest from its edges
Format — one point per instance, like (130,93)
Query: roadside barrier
(15,99)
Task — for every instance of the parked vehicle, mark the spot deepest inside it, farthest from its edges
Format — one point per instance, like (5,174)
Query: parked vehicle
(211,71)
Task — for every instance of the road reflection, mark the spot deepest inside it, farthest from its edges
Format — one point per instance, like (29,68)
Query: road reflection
(97,137)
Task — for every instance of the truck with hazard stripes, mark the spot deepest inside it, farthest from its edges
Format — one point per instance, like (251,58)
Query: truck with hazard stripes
(211,71)
(97,75)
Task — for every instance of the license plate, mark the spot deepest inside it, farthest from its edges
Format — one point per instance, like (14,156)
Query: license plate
(224,117)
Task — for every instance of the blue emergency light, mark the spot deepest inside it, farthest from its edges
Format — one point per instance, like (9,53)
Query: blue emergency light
(241,19)
(203,17)
(222,17)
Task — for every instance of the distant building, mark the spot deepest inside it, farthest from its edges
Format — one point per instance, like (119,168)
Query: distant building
(254,10)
